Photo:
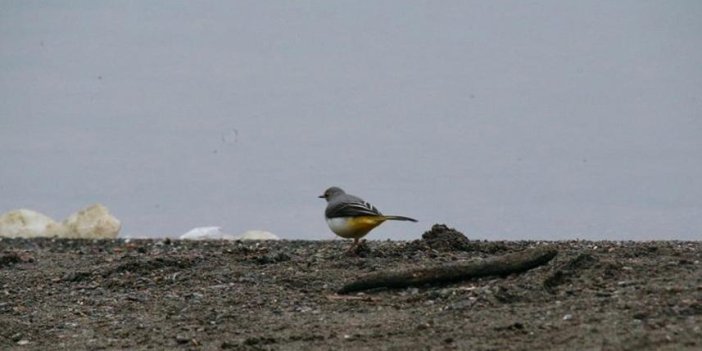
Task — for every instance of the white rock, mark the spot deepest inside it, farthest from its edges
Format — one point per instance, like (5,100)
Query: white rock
(28,224)
(94,222)
(257,235)
(206,233)
(215,233)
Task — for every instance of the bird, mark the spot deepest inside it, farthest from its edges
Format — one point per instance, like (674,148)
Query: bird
(351,217)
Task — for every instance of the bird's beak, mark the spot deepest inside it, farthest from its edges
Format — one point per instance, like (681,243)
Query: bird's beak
(321,196)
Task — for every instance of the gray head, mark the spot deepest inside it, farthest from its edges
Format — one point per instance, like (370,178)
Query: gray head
(331,193)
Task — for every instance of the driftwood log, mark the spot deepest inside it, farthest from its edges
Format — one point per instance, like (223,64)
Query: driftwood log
(500,266)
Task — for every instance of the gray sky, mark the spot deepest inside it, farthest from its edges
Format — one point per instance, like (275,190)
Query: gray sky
(504,119)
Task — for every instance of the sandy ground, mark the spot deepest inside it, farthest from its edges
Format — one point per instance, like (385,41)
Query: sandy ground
(163,294)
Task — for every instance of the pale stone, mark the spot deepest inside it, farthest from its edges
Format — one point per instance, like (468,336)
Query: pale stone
(206,233)
(93,222)
(257,235)
(28,224)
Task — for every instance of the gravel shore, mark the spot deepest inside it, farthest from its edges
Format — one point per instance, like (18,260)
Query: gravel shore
(281,295)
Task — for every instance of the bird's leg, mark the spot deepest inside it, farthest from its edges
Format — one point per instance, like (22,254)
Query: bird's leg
(352,248)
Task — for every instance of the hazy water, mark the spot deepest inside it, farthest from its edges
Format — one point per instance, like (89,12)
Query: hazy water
(509,121)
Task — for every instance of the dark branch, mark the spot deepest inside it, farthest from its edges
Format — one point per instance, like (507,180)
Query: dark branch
(500,266)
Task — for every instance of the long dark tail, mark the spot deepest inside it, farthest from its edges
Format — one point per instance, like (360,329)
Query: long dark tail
(400,218)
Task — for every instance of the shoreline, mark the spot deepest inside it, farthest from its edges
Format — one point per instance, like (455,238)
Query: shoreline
(212,295)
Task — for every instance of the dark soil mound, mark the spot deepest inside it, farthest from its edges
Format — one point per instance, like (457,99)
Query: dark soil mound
(443,238)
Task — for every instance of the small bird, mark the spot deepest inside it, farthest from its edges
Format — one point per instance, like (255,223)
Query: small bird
(349,216)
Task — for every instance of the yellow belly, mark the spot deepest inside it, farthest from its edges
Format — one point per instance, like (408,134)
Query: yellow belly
(354,227)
